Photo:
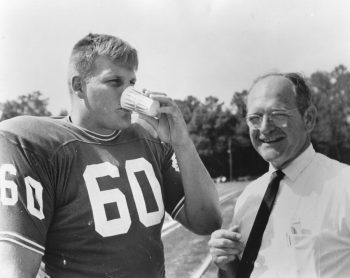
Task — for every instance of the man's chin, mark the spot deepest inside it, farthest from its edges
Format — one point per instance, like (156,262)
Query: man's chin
(121,124)
(124,125)
(270,156)
(124,122)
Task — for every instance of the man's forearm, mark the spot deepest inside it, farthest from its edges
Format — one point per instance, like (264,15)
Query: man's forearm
(202,207)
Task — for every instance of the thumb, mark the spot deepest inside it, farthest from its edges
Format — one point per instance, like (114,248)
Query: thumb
(147,124)
(150,120)
(234,228)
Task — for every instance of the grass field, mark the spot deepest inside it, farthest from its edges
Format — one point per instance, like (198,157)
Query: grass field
(186,252)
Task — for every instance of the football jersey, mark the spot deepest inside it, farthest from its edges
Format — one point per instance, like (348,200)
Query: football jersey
(92,205)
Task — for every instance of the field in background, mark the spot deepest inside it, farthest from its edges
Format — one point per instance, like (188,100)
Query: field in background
(186,254)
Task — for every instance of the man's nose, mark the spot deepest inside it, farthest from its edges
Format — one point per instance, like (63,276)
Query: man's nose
(266,124)
(126,86)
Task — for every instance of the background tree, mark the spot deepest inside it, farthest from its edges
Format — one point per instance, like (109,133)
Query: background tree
(30,104)
(220,132)
(246,161)
(210,125)
(187,107)
(331,94)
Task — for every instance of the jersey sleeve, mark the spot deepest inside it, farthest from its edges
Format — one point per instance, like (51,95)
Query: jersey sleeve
(26,202)
(173,189)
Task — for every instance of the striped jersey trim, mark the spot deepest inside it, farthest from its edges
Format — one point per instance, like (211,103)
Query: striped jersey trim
(95,135)
(22,241)
(178,207)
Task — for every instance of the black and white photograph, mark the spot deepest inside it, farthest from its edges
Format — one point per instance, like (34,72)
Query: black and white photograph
(175,139)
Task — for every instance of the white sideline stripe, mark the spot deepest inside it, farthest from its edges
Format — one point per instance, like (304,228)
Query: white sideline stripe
(169,224)
(227,196)
(23,238)
(170,229)
(201,270)
(23,245)
(206,262)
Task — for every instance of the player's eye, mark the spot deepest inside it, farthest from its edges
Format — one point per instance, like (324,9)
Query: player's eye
(116,82)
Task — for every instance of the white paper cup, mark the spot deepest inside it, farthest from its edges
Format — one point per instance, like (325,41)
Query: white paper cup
(135,101)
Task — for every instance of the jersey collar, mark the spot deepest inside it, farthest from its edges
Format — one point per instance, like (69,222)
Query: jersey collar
(95,135)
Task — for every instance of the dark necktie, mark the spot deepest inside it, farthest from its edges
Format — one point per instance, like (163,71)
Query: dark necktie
(252,247)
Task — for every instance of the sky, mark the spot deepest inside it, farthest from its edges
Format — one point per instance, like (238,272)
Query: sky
(186,47)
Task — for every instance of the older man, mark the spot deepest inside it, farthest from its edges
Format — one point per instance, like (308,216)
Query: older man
(297,225)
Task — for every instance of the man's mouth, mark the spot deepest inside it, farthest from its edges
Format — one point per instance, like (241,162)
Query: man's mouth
(270,140)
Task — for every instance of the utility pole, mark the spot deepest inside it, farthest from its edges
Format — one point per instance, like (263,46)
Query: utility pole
(230,157)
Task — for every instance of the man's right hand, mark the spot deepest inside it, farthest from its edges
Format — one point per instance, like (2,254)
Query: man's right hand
(225,246)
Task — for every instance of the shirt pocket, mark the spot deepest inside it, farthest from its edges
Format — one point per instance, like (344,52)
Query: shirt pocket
(306,254)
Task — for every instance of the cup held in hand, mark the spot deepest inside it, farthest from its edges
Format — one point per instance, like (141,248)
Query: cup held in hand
(133,100)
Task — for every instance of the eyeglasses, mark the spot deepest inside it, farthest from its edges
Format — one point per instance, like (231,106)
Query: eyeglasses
(278,118)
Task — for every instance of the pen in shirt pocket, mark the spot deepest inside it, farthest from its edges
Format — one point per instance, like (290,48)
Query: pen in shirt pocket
(294,230)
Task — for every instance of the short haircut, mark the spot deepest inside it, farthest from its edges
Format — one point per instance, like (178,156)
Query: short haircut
(303,96)
(86,50)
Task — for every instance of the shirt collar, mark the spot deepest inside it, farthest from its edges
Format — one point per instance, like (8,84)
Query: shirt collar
(293,170)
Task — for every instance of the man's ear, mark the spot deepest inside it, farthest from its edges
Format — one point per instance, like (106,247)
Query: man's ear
(310,116)
(77,86)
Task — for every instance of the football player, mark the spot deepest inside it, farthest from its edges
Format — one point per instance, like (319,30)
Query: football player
(85,195)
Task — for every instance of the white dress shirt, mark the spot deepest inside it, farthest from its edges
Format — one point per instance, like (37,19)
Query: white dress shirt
(308,233)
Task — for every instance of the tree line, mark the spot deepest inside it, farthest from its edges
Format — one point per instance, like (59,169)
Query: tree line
(220,132)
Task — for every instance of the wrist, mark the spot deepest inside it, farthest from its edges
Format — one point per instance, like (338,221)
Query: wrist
(228,270)
(185,146)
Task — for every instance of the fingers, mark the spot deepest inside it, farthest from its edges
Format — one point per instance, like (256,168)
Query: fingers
(167,104)
(152,93)
(225,249)
(232,246)
(235,229)
(229,234)
(163,99)
(225,245)
(222,261)
(160,96)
